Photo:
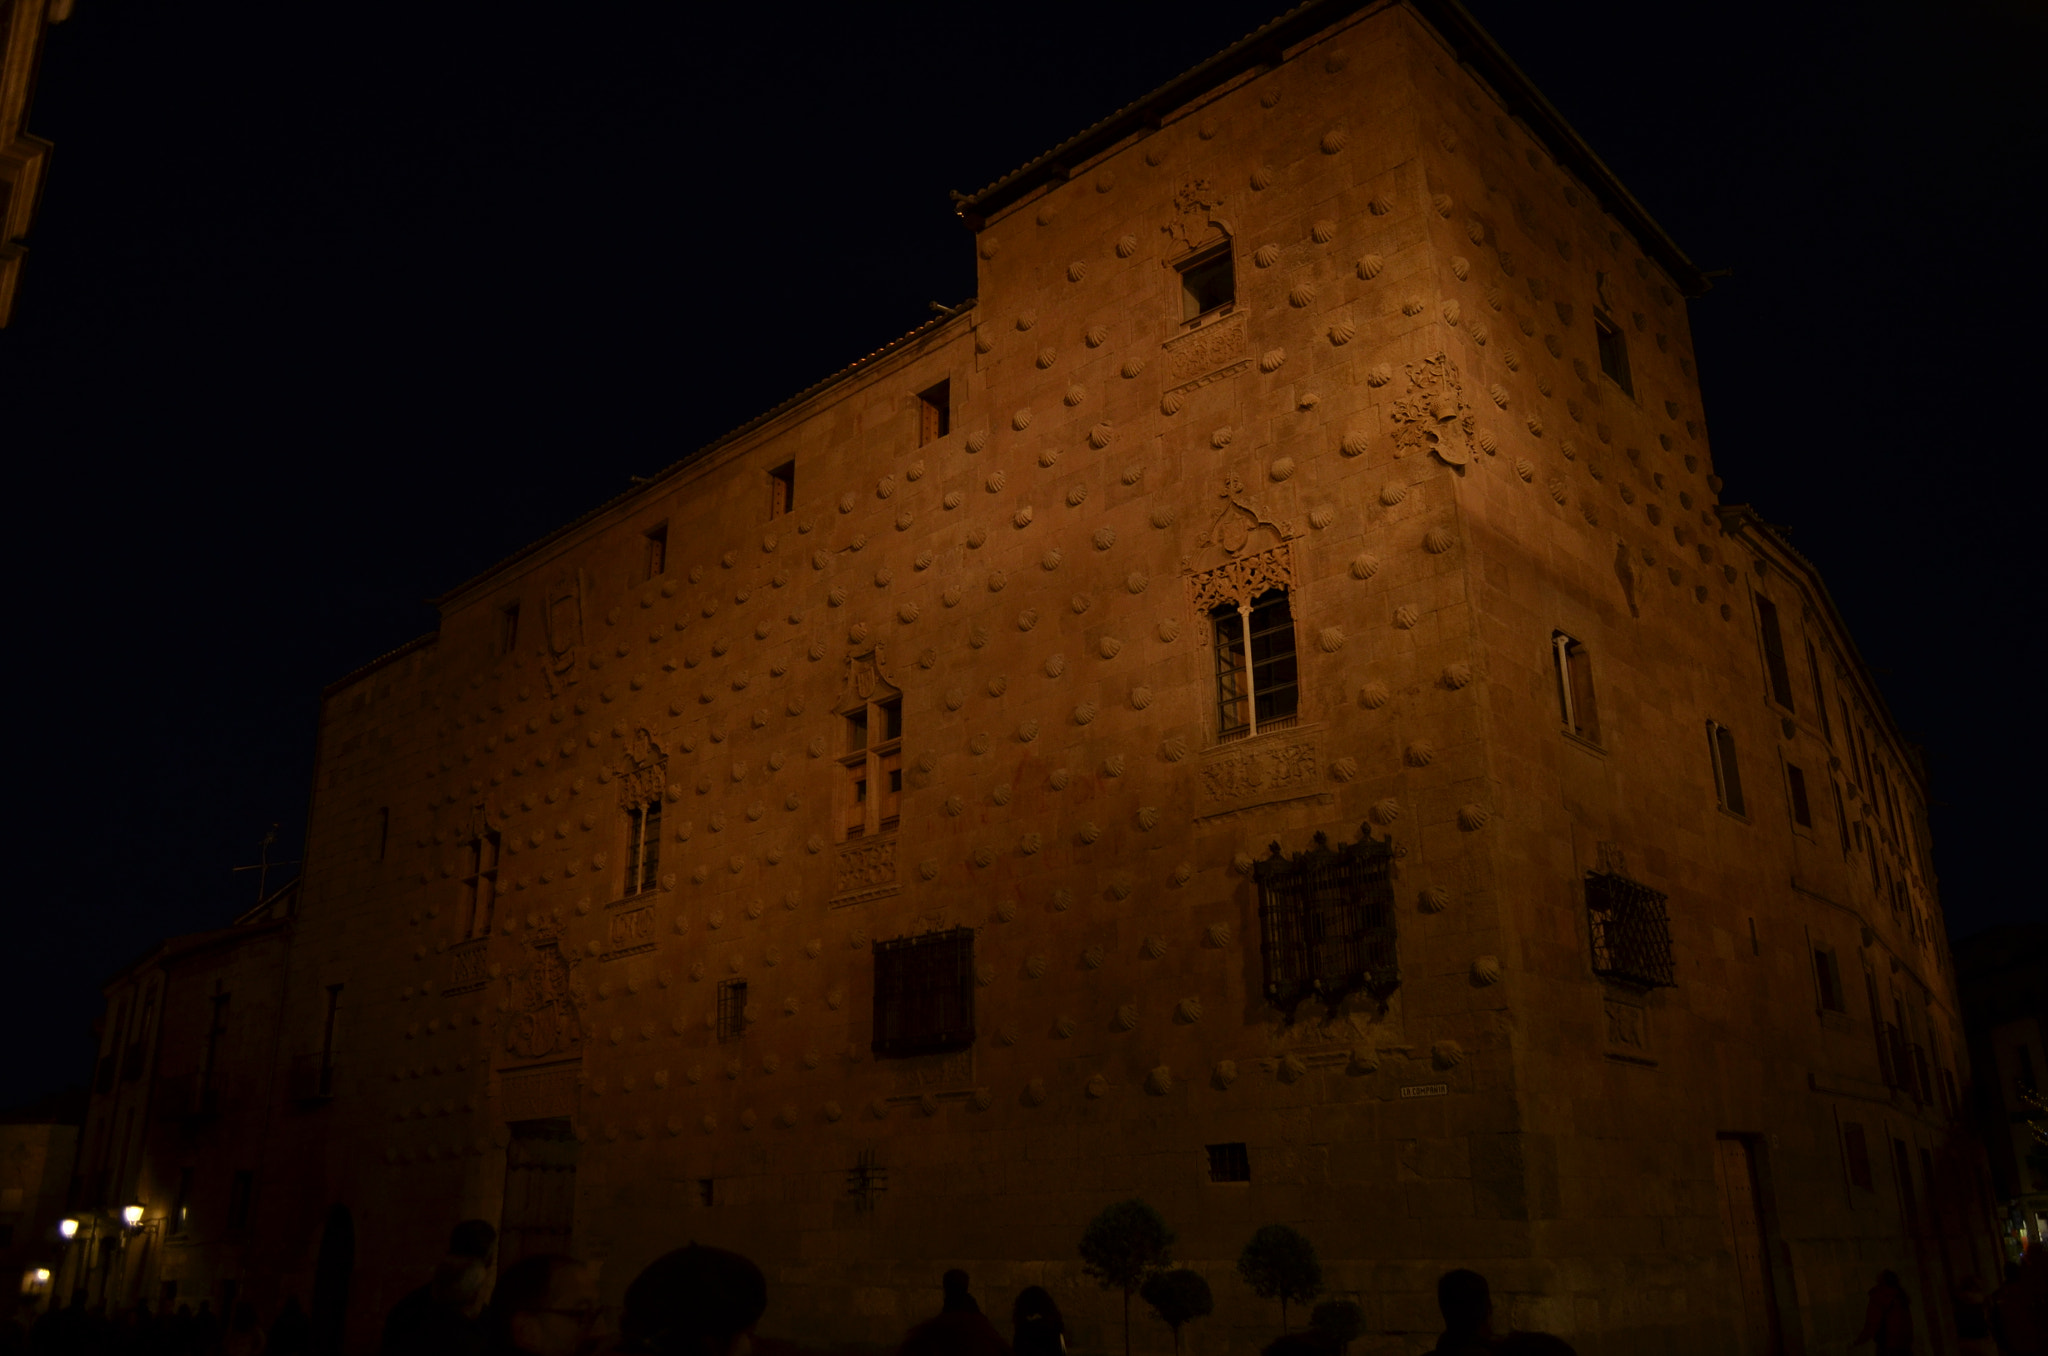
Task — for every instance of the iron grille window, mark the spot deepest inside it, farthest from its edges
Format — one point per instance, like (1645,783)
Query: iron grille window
(732,1009)
(1229,1163)
(643,847)
(1326,921)
(1631,935)
(1269,672)
(924,993)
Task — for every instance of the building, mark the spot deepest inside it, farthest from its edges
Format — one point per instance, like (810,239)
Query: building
(2002,974)
(1262,710)
(37,1145)
(23,158)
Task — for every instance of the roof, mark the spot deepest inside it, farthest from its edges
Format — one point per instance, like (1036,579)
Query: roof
(1265,45)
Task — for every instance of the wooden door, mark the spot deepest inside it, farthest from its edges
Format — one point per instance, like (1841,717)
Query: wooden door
(1743,1231)
(540,1190)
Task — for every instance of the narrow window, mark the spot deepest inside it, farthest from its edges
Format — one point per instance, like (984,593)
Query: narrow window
(1265,670)
(1575,686)
(1727,775)
(1856,1154)
(1849,737)
(383,831)
(782,489)
(1229,1163)
(480,884)
(706,1190)
(1827,976)
(1613,352)
(181,1204)
(1802,810)
(643,847)
(1841,815)
(654,561)
(924,993)
(934,413)
(1774,652)
(873,761)
(324,1085)
(1208,282)
(508,628)
(241,1194)
(1820,696)
(732,1009)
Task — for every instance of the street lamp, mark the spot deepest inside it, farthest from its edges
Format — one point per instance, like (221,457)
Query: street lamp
(131,1215)
(67,1229)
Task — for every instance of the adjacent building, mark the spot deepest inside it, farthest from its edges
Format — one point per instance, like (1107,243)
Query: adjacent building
(37,1144)
(1263,709)
(24,157)
(2002,975)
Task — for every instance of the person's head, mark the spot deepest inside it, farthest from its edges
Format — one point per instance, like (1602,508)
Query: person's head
(473,1238)
(1888,1280)
(1466,1302)
(954,1283)
(695,1301)
(1533,1344)
(1034,1306)
(1310,1343)
(245,1316)
(545,1304)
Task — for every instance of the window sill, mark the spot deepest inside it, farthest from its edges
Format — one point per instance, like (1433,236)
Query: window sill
(1238,741)
(1735,815)
(1207,318)
(1589,745)
(1607,379)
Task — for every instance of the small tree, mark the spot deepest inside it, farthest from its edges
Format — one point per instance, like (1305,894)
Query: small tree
(1281,1264)
(1339,1319)
(1178,1297)
(1123,1245)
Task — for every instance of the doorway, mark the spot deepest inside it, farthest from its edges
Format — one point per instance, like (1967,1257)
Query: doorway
(540,1190)
(1742,1229)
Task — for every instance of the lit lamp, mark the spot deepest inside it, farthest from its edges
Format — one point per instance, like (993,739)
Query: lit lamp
(131,1215)
(67,1228)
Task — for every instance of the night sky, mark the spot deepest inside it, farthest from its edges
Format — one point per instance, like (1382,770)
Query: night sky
(329,308)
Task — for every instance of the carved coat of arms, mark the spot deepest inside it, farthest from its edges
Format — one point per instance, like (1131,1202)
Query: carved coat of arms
(545,1017)
(1433,415)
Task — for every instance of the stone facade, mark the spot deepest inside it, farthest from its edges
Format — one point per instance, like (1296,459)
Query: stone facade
(24,158)
(1016,525)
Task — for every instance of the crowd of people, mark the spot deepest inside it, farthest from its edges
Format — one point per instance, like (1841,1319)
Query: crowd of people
(705,1301)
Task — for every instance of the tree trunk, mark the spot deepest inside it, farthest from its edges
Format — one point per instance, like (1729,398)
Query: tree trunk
(1127,1323)
(1283,1317)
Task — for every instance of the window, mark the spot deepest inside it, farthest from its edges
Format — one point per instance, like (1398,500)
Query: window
(873,763)
(480,884)
(1575,686)
(1820,696)
(1841,815)
(1229,1163)
(1774,652)
(924,993)
(1613,351)
(654,561)
(324,1083)
(508,628)
(1802,809)
(1631,934)
(782,489)
(732,1009)
(1727,774)
(241,1193)
(1267,669)
(1326,921)
(643,847)
(1856,1154)
(1827,978)
(934,413)
(181,1204)
(1208,282)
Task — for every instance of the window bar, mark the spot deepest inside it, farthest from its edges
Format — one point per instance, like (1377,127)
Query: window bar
(1251,692)
(1561,643)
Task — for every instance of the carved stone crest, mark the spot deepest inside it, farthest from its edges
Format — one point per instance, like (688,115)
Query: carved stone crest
(867,676)
(1433,415)
(643,771)
(1239,517)
(1274,773)
(866,870)
(564,618)
(1195,214)
(545,1016)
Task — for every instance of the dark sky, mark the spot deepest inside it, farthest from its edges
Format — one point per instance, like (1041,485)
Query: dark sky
(328,308)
